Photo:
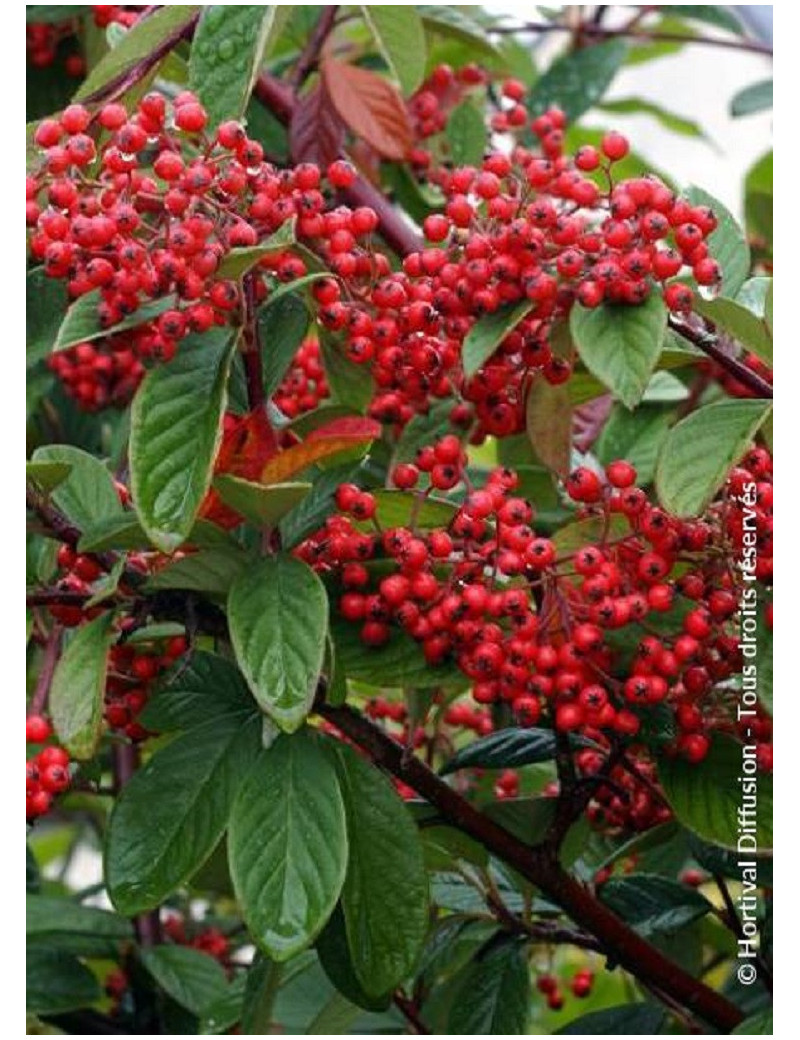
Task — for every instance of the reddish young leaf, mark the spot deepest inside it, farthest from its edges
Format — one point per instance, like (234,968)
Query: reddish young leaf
(316,132)
(347,426)
(247,443)
(370,106)
(286,464)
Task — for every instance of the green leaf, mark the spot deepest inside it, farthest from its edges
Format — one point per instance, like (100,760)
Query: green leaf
(466,134)
(455,23)
(669,120)
(282,326)
(578,80)
(287,844)
(261,504)
(699,451)
(634,436)
(239,261)
(494,995)
(756,1025)
(206,688)
(176,426)
(739,322)
(385,893)
(706,796)
(76,693)
(57,982)
(350,384)
(653,904)
(52,13)
(88,494)
(727,243)
(58,923)
(488,333)
(625,1019)
(399,662)
(46,476)
(226,56)
(548,421)
(424,429)
(155,844)
(715,14)
(45,302)
(505,749)
(192,978)
(400,37)
(334,954)
(621,344)
(160,31)
(755,98)
(225,1011)
(125,532)
(81,323)
(210,571)
(278,618)
(407,509)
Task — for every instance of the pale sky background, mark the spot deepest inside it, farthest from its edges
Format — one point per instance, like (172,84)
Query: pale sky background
(698,83)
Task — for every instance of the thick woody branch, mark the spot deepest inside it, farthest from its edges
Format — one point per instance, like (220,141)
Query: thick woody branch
(705,340)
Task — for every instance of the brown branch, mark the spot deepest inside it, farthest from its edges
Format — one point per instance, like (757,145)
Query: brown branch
(539,866)
(410,1012)
(707,342)
(311,51)
(251,355)
(50,660)
(629,33)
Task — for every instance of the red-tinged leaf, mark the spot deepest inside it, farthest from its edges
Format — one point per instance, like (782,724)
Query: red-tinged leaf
(316,132)
(347,426)
(247,444)
(287,464)
(370,106)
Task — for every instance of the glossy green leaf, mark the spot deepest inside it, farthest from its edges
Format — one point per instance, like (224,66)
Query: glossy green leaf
(125,532)
(334,954)
(756,1025)
(424,429)
(51,13)
(240,260)
(57,982)
(634,1019)
(209,571)
(488,333)
(400,37)
(672,121)
(205,688)
(399,662)
(739,322)
(192,978)
(507,749)
(653,904)
(407,509)
(351,384)
(707,796)
(699,451)
(278,618)
(455,23)
(45,476)
(176,427)
(710,14)
(282,326)
(634,436)
(621,344)
(727,243)
(81,323)
(385,893)
(466,134)
(160,31)
(494,995)
(76,693)
(287,844)
(59,923)
(755,98)
(226,56)
(155,844)
(578,80)
(45,302)
(261,504)
(88,494)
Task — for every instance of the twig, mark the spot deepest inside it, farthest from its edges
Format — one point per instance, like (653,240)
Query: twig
(654,36)
(311,51)
(49,661)
(409,1011)
(540,867)
(707,342)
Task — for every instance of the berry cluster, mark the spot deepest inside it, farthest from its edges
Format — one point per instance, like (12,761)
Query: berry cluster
(107,372)
(545,630)
(304,387)
(132,669)
(580,985)
(46,772)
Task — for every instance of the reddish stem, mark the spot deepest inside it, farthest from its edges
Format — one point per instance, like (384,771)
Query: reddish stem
(52,650)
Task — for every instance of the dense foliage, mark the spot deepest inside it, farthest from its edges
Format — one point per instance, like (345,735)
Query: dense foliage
(400,531)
